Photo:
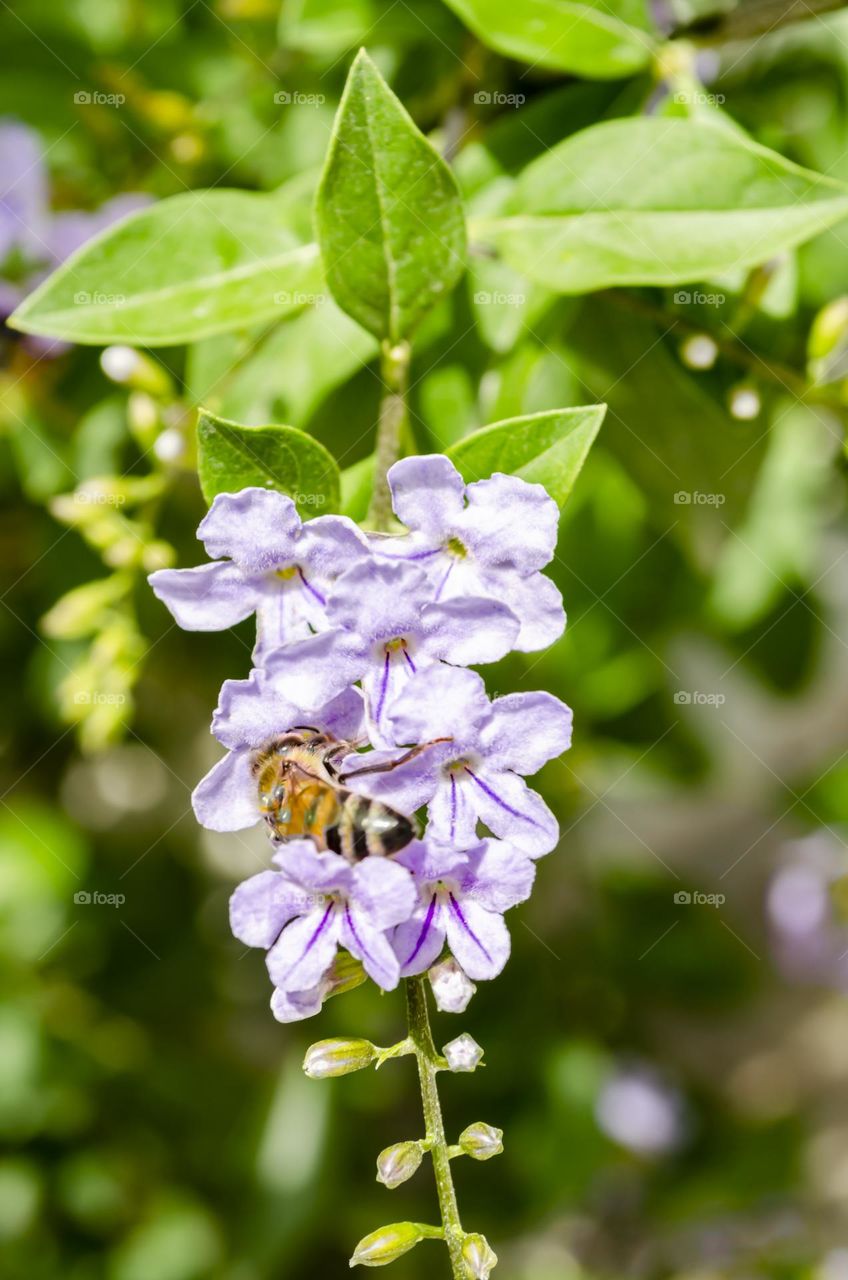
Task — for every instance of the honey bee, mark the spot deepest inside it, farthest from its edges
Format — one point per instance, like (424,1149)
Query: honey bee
(302,793)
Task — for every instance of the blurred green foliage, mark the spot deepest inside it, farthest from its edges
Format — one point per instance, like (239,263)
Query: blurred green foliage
(154,1117)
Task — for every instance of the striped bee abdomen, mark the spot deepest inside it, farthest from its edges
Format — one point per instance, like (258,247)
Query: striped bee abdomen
(367,828)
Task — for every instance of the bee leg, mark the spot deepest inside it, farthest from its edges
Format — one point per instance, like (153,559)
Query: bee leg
(392,764)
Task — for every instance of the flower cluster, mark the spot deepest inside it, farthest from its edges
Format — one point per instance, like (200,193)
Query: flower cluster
(361,711)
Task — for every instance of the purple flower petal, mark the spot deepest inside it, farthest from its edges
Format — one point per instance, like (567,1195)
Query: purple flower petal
(261,906)
(441,702)
(226,799)
(24,217)
(369,944)
(478,939)
(312,672)
(427,493)
(305,949)
(329,545)
(294,1006)
(524,731)
(378,600)
(452,811)
(257,528)
(319,873)
(512,811)
(510,523)
(418,942)
(463,632)
(385,890)
(210,597)
(537,603)
(498,876)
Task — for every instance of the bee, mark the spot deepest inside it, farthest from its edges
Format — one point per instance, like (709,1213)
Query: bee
(302,793)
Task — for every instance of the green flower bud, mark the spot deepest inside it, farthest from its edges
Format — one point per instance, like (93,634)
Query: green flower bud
(82,610)
(337,1057)
(479,1256)
(133,369)
(481,1141)
(397,1163)
(390,1242)
(346,972)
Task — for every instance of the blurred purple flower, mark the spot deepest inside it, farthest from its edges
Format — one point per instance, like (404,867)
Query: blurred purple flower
(461,900)
(640,1111)
(316,903)
(276,567)
(476,774)
(248,715)
(487,539)
(383,628)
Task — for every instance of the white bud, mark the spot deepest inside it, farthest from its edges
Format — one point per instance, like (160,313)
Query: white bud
(337,1057)
(169,446)
(120,363)
(699,351)
(745,403)
(452,987)
(479,1256)
(463,1053)
(397,1163)
(481,1141)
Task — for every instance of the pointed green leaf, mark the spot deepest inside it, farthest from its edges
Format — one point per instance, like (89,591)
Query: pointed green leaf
(390,221)
(652,201)
(590,38)
(544,448)
(190,266)
(233,457)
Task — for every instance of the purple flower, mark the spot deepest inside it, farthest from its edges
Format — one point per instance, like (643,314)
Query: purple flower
(476,774)
(383,628)
(488,539)
(249,714)
(276,567)
(316,903)
(461,900)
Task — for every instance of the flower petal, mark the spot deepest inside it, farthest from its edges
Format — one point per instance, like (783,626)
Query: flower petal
(293,1006)
(465,631)
(226,799)
(318,873)
(210,597)
(262,905)
(329,545)
(509,522)
(283,616)
(418,943)
(478,939)
(385,891)
(407,788)
(379,600)
(536,602)
(249,713)
(314,671)
(441,702)
(258,528)
(370,945)
(525,730)
(498,876)
(452,812)
(305,949)
(512,811)
(427,494)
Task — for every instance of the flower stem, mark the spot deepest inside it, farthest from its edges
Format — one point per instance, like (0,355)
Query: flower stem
(425,1052)
(394,368)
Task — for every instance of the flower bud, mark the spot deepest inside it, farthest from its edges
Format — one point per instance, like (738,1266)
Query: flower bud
(390,1242)
(463,1053)
(337,1057)
(481,1141)
(479,1256)
(345,973)
(452,988)
(131,368)
(397,1163)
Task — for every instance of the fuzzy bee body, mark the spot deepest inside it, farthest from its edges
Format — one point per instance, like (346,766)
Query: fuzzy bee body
(300,795)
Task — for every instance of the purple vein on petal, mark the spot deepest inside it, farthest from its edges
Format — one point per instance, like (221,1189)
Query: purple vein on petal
(453,807)
(416,555)
(457,910)
(443,582)
(409,661)
(312,591)
(493,795)
(384,685)
(425,929)
(354,934)
(315,936)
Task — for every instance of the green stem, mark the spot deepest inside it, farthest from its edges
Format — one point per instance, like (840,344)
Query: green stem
(394,367)
(428,1060)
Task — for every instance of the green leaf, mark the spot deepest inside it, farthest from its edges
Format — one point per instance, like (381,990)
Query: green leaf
(390,220)
(232,457)
(544,448)
(601,40)
(190,266)
(357,482)
(650,201)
